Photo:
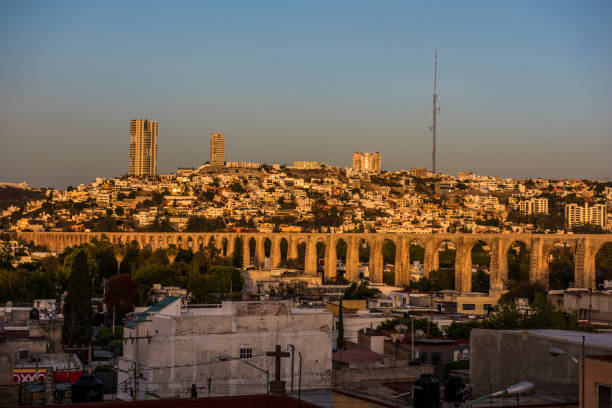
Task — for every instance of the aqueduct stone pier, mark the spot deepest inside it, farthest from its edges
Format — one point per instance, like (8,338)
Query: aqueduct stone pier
(584,248)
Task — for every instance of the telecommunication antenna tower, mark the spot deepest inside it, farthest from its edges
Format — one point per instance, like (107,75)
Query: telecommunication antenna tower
(435,111)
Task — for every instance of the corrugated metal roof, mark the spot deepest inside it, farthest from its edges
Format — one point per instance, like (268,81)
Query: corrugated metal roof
(159,306)
(168,300)
(600,340)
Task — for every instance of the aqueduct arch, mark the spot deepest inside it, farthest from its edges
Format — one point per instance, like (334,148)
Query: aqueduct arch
(584,247)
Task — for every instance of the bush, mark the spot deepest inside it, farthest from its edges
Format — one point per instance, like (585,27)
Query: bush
(360,292)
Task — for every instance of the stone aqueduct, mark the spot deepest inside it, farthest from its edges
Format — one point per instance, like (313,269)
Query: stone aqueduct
(584,247)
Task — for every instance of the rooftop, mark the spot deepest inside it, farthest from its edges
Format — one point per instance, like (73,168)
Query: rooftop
(361,355)
(252,401)
(600,340)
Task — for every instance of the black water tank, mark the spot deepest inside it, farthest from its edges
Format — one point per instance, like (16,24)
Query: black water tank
(454,390)
(34,314)
(426,392)
(88,388)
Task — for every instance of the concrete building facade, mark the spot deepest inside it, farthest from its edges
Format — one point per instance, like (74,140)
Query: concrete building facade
(597,382)
(217,149)
(500,358)
(533,206)
(367,162)
(143,147)
(595,306)
(176,347)
(577,215)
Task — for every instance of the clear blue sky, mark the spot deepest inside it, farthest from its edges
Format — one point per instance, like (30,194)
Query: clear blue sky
(525,86)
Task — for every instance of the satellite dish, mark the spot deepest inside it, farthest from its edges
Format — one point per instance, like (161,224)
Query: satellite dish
(419,333)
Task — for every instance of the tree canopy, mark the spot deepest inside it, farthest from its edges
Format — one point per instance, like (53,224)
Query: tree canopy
(77,329)
(361,292)
(507,317)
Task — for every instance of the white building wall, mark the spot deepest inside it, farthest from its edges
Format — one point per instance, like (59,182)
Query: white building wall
(185,350)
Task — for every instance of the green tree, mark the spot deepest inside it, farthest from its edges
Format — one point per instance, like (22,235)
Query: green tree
(361,292)
(442,279)
(417,253)
(6,255)
(218,280)
(506,316)
(481,281)
(77,330)
(561,268)
(518,263)
(423,284)
(388,250)
(238,254)
(603,263)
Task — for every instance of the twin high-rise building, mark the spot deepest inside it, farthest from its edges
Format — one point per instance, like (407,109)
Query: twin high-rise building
(579,215)
(366,162)
(217,149)
(143,147)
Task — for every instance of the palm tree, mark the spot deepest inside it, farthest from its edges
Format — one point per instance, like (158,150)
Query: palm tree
(120,250)
(171,252)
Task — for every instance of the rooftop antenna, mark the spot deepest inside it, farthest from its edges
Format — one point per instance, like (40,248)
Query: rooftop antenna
(435,111)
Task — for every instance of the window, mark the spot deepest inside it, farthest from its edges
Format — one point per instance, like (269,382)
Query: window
(435,358)
(423,357)
(604,396)
(468,306)
(486,306)
(246,352)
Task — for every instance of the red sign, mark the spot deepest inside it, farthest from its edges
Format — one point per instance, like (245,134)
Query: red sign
(26,375)
(60,376)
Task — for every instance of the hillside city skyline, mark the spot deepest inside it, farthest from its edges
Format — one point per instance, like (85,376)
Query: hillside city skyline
(282,163)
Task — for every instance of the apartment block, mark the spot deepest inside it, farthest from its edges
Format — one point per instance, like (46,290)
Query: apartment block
(217,149)
(578,215)
(533,206)
(366,162)
(143,147)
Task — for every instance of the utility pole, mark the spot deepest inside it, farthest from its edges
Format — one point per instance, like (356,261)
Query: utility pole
(412,335)
(582,374)
(292,364)
(435,110)
(89,352)
(300,381)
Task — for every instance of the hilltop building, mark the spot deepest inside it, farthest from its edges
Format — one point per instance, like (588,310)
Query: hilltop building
(307,165)
(217,149)
(369,162)
(143,147)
